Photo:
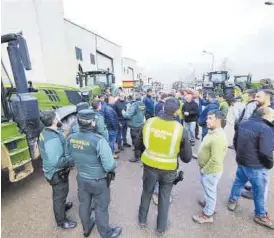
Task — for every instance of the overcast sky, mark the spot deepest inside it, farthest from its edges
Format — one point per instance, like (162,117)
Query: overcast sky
(167,37)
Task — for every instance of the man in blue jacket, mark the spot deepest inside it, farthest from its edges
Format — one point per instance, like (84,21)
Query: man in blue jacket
(213,104)
(135,114)
(254,154)
(201,102)
(93,160)
(160,104)
(56,164)
(111,121)
(149,103)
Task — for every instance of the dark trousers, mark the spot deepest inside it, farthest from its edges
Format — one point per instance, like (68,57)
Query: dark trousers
(148,115)
(60,189)
(150,177)
(197,128)
(98,191)
(122,133)
(134,133)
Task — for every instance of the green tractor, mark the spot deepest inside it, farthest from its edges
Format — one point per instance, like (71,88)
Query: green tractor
(242,83)
(93,83)
(21,104)
(218,82)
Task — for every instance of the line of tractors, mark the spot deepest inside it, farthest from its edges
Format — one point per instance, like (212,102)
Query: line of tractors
(21,103)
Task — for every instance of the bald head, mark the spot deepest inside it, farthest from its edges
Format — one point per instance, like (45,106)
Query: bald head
(196,94)
(266,113)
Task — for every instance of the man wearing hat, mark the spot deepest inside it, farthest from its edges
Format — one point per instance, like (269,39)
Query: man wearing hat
(93,160)
(149,103)
(56,166)
(135,115)
(74,125)
(161,141)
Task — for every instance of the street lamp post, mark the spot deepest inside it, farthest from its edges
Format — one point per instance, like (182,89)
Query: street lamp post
(212,63)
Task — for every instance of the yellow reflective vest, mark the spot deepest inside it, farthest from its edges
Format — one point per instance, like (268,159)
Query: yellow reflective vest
(162,140)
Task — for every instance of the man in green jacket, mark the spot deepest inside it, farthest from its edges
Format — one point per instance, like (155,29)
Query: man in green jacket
(135,114)
(211,160)
(74,125)
(94,161)
(56,164)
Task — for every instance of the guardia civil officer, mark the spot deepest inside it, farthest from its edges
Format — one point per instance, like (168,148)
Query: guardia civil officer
(135,115)
(56,164)
(161,141)
(94,161)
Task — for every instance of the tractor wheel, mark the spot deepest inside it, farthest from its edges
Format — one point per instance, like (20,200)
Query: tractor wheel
(228,93)
(237,91)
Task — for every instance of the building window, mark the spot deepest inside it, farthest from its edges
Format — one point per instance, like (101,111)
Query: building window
(78,52)
(92,58)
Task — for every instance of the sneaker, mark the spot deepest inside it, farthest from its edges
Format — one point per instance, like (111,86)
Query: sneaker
(197,137)
(127,145)
(121,148)
(117,151)
(231,147)
(194,156)
(115,156)
(265,221)
(247,194)
(232,205)
(202,218)
(142,225)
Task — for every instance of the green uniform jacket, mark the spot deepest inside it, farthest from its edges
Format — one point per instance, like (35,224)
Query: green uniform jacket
(91,154)
(53,152)
(136,114)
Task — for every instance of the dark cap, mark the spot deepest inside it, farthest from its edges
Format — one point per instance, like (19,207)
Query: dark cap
(87,114)
(82,105)
(47,117)
(149,90)
(171,106)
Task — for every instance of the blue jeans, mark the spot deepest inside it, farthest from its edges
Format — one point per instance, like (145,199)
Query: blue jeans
(204,131)
(112,135)
(210,183)
(190,128)
(259,179)
(122,133)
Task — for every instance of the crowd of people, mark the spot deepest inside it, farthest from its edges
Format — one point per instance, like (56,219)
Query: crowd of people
(161,131)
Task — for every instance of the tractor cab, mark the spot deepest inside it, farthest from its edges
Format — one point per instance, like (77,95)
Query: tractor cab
(218,77)
(243,81)
(92,83)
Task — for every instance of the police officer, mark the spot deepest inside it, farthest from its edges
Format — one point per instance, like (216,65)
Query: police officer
(135,114)
(93,159)
(74,126)
(161,141)
(56,165)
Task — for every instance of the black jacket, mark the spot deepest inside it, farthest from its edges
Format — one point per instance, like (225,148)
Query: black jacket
(119,106)
(254,143)
(111,119)
(185,147)
(193,109)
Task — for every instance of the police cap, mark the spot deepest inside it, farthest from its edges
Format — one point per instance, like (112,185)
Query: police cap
(87,114)
(82,105)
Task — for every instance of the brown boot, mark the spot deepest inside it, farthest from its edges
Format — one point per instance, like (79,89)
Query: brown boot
(202,218)
(265,221)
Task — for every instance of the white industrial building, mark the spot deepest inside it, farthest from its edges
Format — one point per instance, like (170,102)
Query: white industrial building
(56,45)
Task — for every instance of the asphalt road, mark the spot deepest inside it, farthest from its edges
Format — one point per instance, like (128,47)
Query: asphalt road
(27,206)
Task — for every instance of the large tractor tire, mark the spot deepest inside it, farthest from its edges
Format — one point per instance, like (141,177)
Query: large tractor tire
(237,91)
(228,93)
